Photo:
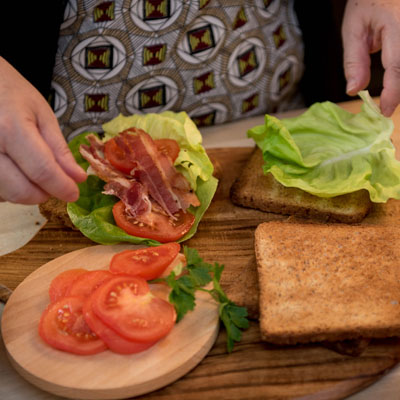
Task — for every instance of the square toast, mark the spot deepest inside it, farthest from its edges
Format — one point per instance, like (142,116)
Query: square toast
(253,189)
(327,282)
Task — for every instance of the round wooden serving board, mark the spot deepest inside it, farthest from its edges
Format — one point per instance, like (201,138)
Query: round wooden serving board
(106,375)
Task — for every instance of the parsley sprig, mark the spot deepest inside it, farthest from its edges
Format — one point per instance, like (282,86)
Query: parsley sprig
(195,276)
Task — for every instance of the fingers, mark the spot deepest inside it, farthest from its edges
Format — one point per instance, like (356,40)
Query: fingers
(34,158)
(50,131)
(356,52)
(15,187)
(390,96)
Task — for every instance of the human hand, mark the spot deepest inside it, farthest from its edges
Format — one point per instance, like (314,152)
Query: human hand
(369,26)
(35,161)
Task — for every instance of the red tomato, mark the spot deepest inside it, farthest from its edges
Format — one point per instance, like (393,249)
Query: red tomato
(169,147)
(126,304)
(113,340)
(63,327)
(87,283)
(148,263)
(164,229)
(62,282)
(117,157)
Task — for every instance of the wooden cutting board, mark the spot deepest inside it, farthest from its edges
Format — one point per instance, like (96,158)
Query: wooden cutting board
(106,375)
(255,370)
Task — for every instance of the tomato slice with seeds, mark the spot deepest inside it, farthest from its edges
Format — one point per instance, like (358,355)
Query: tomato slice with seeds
(118,157)
(113,340)
(148,263)
(87,283)
(63,327)
(60,285)
(126,304)
(169,147)
(120,160)
(164,229)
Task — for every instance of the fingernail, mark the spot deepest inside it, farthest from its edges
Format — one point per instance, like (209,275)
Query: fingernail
(387,111)
(351,87)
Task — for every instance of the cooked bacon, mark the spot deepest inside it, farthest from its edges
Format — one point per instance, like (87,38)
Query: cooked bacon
(153,168)
(130,191)
(94,154)
(155,175)
(134,197)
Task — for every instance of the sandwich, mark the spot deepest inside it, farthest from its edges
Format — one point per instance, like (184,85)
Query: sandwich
(149,180)
(327,282)
(326,163)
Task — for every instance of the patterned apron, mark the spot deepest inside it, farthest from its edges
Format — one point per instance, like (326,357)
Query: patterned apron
(218,60)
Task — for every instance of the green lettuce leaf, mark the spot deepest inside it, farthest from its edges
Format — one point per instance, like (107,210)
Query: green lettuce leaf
(92,212)
(328,151)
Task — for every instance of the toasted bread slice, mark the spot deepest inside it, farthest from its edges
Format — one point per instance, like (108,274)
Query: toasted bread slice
(327,282)
(253,189)
(55,210)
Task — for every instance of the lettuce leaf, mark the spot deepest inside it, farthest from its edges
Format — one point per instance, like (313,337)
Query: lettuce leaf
(328,151)
(92,212)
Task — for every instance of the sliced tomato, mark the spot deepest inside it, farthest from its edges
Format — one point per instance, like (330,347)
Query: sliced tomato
(126,304)
(60,285)
(163,229)
(87,283)
(118,157)
(113,340)
(63,327)
(169,147)
(148,263)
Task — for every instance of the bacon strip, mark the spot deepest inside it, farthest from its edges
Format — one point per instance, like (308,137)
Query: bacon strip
(135,198)
(155,170)
(155,175)
(130,191)
(94,154)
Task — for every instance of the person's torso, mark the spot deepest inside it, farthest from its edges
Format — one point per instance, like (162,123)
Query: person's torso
(217,60)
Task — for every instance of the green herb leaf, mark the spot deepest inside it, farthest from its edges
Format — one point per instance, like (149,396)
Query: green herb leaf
(197,274)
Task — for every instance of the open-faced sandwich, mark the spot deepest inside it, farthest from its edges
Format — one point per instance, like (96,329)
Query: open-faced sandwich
(326,162)
(150,180)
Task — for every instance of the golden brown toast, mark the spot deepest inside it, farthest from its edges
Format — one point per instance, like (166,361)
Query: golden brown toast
(253,189)
(327,282)
(55,210)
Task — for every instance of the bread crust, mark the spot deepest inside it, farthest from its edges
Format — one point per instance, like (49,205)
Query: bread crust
(253,189)
(55,210)
(327,282)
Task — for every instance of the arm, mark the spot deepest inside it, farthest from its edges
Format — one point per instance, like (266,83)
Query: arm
(370,26)
(35,162)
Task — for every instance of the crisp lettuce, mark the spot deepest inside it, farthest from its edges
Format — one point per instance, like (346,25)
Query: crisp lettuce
(328,151)
(92,213)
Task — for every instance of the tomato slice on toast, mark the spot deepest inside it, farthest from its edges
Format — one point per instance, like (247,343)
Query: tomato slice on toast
(120,160)
(148,263)
(163,229)
(63,327)
(126,304)
(169,147)
(118,157)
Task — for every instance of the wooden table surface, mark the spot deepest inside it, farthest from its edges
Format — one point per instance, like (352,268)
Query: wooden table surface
(254,370)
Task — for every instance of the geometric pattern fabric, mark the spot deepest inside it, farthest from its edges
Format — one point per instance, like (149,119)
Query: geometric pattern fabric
(218,60)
